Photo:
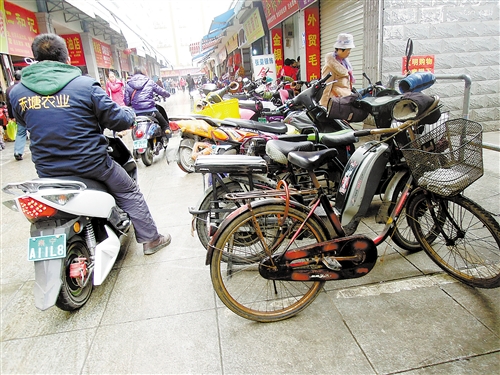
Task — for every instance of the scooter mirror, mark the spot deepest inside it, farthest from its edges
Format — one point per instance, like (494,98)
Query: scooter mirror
(408,53)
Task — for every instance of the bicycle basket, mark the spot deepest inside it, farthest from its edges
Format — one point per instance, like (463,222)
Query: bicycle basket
(448,158)
(225,109)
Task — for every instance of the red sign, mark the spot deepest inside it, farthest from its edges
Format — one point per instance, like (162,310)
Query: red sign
(124,64)
(75,49)
(419,64)
(277,40)
(277,11)
(103,56)
(313,53)
(22,28)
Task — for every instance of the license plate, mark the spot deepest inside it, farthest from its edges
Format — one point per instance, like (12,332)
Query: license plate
(47,247)
(141,143)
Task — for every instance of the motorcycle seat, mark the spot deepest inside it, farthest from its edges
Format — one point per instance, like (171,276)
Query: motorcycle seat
(377,104)
(269,127)
(278,150)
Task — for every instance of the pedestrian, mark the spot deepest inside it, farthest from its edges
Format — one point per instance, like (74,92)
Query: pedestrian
(66,136)
(297,66)
(140,95)
(288,72)
(338,64)
(115,88)
(190,84)
(20,141)
(182,84)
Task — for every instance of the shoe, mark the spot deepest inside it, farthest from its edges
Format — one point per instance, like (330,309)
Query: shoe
(18,157)
(153,246)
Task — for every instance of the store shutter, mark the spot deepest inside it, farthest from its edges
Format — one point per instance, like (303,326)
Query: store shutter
(343,16)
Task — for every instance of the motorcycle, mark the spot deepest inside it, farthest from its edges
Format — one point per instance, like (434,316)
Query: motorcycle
(148,137)
(76,234)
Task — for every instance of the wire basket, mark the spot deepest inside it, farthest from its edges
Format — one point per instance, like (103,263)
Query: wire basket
(448,158)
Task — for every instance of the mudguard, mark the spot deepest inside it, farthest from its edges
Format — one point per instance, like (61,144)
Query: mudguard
(47,282)
(359,183)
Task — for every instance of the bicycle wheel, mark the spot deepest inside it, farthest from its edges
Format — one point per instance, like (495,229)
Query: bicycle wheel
(203,220)
(402,234)
(238,283)
(466,243)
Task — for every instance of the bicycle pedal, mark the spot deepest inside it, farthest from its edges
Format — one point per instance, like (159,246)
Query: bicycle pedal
(332,263)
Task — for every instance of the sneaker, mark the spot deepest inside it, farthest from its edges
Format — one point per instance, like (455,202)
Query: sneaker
(153,246)
(18,157)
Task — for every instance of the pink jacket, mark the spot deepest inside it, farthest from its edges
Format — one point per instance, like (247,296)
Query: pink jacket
(115,91)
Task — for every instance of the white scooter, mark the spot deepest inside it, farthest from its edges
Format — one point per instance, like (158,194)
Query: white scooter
(77,231)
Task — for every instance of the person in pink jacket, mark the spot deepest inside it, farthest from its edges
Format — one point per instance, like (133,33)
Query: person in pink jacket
(114,88)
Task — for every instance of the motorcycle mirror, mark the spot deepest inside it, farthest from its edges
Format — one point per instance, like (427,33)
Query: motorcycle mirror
(368,79)
(408,53)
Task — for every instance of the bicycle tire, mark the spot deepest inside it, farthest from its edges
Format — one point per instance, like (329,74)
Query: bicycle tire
(206,205)
(402,234)
(471,254)
(240,286)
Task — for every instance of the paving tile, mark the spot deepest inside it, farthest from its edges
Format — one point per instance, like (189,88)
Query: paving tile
(62,353)
(406,329)
(288,347)
(177,344)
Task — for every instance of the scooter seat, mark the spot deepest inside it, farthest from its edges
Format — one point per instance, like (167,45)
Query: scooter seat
(268,127)
(91,184)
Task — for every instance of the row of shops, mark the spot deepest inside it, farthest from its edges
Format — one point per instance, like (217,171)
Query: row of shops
(258,36)
(98,40)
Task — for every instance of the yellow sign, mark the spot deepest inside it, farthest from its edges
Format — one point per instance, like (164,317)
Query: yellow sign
(253,27)
(232,44)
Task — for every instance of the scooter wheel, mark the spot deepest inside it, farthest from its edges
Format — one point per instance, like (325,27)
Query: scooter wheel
(73,295)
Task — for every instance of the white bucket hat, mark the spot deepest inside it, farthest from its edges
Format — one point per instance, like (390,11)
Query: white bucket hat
(344,41)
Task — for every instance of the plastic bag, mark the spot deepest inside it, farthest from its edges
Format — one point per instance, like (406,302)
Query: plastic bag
(11,131)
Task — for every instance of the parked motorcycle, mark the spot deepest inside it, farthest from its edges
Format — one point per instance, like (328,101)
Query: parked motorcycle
(148,137)
(76,234)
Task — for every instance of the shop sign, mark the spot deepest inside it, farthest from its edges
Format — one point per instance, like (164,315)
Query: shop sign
(313,54)
(103,56)
(22,28)
(124,64)
(277,11)
(222,55)
(4,47)
(277,41)
(75,49)
(253,27)
(232,43)
(419,64)
(305,3)
(263,65)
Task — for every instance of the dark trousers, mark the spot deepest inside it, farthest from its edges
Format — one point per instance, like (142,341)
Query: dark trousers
(129,198)
(162,121)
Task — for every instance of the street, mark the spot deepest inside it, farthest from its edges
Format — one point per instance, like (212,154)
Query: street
(159,314)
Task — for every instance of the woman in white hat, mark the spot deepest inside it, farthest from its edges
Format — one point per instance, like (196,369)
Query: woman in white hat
(338,64)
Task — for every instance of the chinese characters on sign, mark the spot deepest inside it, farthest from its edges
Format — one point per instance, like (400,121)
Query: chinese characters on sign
(22,27)
(253,27)
(313,54)
(277,11)
(419,64)
(277,40)
(263,66)
(103,56)
(75,49)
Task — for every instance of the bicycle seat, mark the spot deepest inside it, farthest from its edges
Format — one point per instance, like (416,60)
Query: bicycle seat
(278,150)
(269,127)
(311,160)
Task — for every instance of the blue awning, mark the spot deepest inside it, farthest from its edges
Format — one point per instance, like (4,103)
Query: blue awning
(219,24)
(200,56)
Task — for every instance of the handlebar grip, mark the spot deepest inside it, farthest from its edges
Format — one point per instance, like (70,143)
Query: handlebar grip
(362,133)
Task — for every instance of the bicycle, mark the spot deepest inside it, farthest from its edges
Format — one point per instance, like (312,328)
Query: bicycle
(270,258)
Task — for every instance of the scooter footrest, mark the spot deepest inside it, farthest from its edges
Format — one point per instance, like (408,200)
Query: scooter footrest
(230,164)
